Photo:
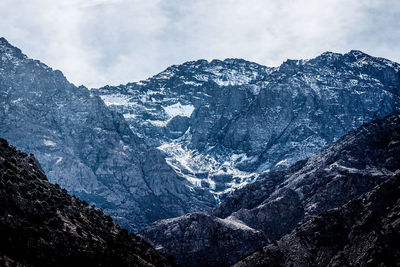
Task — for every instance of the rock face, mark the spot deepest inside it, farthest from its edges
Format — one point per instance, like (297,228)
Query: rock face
(182,140)
(223,123)
(276,203)
(86,148)
(364,232)
(200,239)
(42,225)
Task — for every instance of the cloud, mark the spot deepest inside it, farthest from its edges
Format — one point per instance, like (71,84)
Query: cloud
(98,42)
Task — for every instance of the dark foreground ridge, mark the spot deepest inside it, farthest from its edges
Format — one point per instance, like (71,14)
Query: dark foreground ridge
(41,225)
(364,232)
(274,205)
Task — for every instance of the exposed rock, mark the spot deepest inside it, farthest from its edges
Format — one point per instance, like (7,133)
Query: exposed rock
(86,148)
(220,125)
(275,204)
(363,232)
(203,238)
(351,166)
(42,225)
(246,119)
(177,126)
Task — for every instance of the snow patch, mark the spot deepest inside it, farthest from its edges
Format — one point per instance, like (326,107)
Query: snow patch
(179,110)
(255,90)
(16,100)
(59,160)
(201,77)
(116,100)
(192,83)
(159,123)
(282,162)
(189,162)
(129,116)
(49,143)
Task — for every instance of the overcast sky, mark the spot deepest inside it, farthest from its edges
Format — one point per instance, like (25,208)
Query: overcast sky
(99,42)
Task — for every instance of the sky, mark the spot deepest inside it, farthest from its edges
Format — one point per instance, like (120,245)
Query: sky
(112,42)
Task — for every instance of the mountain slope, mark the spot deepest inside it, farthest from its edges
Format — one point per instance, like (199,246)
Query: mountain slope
(275,204)
(220,125)
(41,225)
(223,123)
(200,239)
(86,148)
(364,232)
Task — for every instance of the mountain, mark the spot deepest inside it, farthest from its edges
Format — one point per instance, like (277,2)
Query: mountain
(363,232)
(86,148)
(201,239)
(274,204)
(222,124)
(182,140)
(42,225)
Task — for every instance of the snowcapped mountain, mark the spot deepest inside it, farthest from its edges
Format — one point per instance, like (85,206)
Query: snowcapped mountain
(221,124)
(179,141)
(86,148)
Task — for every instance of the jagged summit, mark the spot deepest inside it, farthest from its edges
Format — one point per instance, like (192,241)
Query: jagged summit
(182,140)
(205,68)
(355,58)
(88,149)
(12,59)
(4,42)
(358,53)
(232,67)
(9,52)
(223,123)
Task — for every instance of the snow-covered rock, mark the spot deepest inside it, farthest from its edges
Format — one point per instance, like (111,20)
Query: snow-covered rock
(272,117)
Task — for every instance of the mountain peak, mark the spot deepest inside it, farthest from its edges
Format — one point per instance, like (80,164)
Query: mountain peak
(328,55)
(3,41)
(357,53)
(9,50)
(5,44)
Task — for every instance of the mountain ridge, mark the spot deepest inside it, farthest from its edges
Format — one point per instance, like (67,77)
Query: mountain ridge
(42,225)
(222,124)
(87,148)
(274,205)
(181,143)
(364,231)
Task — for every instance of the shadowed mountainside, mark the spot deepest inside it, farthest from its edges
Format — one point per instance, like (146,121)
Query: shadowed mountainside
(42,225)
(364,232)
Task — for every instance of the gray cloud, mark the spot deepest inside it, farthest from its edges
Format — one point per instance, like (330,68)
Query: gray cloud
(98,42)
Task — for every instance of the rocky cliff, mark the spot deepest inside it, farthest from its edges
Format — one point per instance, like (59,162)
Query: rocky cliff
(275,204)
(86,148)
(223,123)
(182,140)
(42,225)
